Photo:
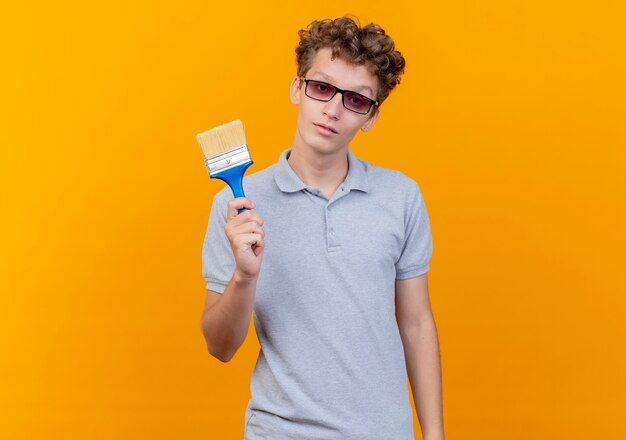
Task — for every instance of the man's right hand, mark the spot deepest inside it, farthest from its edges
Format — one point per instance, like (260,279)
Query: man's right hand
(246,236)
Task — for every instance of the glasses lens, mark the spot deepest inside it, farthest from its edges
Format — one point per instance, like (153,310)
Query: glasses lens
(320,90)
(356,102)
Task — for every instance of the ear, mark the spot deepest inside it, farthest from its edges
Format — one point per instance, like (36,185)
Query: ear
(370,122)
(294,91)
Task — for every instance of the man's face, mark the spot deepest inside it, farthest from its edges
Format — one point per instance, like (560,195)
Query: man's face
(342,124)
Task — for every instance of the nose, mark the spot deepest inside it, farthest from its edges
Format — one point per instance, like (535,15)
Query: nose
(333,107)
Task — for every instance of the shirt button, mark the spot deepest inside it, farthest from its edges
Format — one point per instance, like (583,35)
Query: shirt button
(332,232)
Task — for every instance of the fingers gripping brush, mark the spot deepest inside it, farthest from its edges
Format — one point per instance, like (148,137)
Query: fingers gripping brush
(226,155)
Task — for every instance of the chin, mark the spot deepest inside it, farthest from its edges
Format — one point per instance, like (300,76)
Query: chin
(323,146)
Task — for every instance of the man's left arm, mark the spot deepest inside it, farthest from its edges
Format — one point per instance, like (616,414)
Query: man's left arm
(421,351)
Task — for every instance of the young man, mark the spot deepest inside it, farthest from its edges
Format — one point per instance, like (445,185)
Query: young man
(332,257)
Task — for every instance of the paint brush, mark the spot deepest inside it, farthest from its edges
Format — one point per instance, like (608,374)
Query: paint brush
(226,155)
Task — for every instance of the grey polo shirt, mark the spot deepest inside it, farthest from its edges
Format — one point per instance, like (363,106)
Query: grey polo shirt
(331,364)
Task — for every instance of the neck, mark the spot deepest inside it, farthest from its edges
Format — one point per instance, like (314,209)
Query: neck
(325,172)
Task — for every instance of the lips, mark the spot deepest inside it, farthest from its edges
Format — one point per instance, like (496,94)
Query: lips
(331,129)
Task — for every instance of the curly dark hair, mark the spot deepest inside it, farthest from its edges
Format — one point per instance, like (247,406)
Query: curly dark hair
(367,45)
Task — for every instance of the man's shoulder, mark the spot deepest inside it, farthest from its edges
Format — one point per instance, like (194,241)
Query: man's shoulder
(388,178)
(262,178)
(254,184)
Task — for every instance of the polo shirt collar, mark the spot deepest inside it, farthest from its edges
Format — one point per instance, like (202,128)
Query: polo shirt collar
(288,181)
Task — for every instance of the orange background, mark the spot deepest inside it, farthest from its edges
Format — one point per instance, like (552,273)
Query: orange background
(511,117)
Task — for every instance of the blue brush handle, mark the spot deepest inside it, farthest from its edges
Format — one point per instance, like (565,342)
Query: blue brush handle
(234,178)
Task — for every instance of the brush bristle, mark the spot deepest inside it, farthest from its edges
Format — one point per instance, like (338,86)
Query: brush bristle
(222,138)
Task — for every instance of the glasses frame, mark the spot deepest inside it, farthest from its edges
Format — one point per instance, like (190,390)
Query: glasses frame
(373,103)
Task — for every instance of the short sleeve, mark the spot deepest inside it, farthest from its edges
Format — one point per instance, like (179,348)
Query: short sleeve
(218,262)
(418,247)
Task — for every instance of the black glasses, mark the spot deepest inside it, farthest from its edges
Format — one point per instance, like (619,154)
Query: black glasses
(353,101)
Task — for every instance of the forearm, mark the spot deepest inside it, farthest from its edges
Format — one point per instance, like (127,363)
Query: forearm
(421,349)
(225,325)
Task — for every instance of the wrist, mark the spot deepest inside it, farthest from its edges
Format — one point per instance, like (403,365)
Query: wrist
(244,280)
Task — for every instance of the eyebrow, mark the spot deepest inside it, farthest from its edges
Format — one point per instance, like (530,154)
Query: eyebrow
(330,78)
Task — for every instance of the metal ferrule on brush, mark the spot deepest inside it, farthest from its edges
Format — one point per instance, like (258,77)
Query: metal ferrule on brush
(228,160)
